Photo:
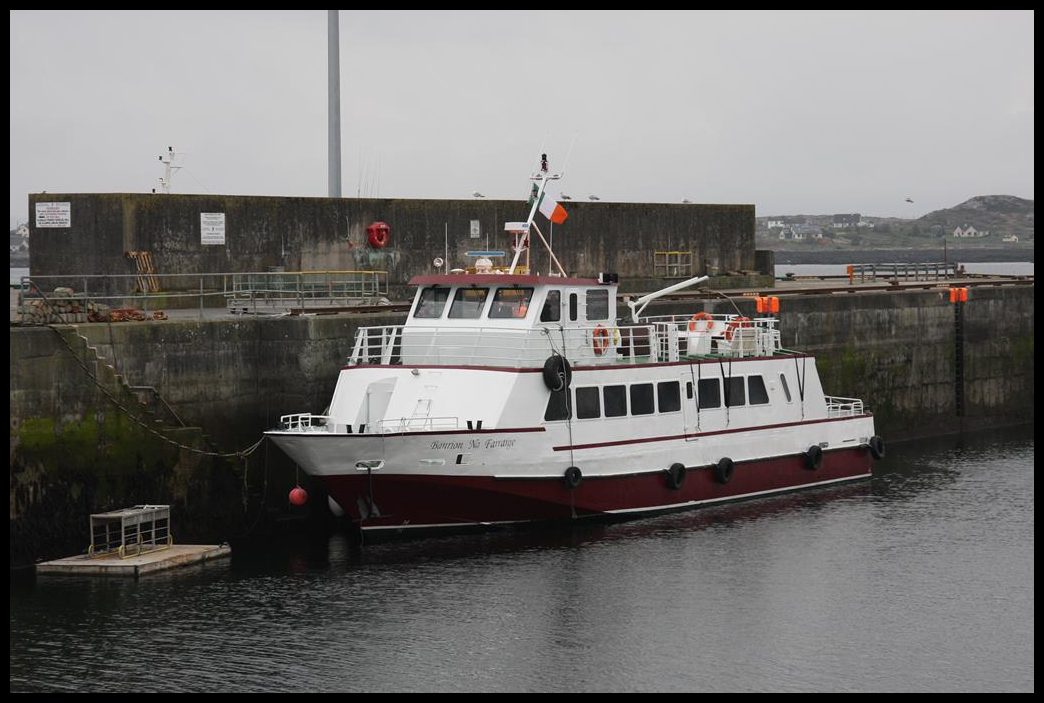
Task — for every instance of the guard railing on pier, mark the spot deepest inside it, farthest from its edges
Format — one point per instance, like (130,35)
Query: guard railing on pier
(251,292)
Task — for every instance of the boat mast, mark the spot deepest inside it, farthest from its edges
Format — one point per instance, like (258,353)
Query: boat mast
(523,242)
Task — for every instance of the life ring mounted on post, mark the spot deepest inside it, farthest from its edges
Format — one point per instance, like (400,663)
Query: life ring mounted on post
(735,324)
(701,316)
(378,234)
(600,340)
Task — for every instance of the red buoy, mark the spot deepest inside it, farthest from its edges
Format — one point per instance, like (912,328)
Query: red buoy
(298,496)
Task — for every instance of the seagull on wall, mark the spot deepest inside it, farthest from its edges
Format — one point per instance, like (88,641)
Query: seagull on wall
(593,197)
(686,201)
(909,199)
(477,194)
(563,196)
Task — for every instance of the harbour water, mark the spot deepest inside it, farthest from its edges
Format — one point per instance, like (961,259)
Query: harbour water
(920,579)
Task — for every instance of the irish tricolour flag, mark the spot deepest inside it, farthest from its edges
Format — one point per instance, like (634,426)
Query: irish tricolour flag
(549,206)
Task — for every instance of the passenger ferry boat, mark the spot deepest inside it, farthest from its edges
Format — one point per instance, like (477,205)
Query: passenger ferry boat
(515,398)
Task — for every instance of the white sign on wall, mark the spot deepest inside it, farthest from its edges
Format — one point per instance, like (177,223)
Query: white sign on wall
(54,214)
(212,227)
(476,229)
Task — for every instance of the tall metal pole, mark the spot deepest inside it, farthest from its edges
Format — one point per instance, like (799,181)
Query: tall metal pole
(334,96)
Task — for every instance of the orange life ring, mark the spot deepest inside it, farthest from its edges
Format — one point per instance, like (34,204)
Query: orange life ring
(701,316)
(734,324)
(600,340)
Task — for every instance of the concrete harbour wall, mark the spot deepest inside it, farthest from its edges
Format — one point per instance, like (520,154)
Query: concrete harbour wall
(72,453)
(302,234)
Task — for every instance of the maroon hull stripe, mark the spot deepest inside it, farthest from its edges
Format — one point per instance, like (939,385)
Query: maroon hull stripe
(418,501)
(704,434)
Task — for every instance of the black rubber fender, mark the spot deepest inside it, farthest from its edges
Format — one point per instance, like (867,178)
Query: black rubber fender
(814,457)
(877,447)
(557,374)
(723,470)
(573,477)
(676,476)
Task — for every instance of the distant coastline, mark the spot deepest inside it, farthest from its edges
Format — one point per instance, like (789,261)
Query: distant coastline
(911,256)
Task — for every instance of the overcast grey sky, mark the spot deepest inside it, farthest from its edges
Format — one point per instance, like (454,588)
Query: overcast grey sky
(796,112)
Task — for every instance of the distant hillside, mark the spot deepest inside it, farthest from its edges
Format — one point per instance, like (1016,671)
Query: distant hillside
(1001,215)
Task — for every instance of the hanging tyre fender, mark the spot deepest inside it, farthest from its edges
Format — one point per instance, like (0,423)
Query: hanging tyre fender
(573,477)
(557,374)
(723,470)
(877,447)
(676,476)
(814,457)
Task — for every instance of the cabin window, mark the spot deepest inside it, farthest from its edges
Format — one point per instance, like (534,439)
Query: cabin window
(615,399)
(598,304)
(587,403)
(709,392)
(756,391)
(786,388)
(557,406)
(511,303)
(642,399)
(572,307)
(468,302)
(552,310)
(432,302)
(734,393)
(668,396)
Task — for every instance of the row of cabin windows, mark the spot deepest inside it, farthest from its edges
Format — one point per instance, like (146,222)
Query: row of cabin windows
(612,401)
(508,303)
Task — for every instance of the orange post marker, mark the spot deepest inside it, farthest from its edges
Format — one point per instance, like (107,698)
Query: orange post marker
(773,304)
(963,297)
(953,295)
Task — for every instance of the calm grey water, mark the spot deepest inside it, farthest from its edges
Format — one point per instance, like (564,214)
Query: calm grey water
(1008,268)
(918,580)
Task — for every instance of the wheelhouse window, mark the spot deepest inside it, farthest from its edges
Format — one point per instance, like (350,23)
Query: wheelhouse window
(642,399)
(734,393)
(468,302)
(587,403)
(557,406)
(615,399)
(709,393)
(757,394)
(598,304)
(432,302)
(510,303)
(668,396)
(552,310)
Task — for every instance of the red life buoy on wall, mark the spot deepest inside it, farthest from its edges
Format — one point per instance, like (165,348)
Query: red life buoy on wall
(378,233)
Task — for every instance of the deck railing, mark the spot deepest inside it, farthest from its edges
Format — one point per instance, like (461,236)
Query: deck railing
(664,339)
(843,407)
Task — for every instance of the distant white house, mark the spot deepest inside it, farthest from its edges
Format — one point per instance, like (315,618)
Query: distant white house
(22,230)
(801,232)
(1011,238)
(776,224)
(969,231)
(863,222)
